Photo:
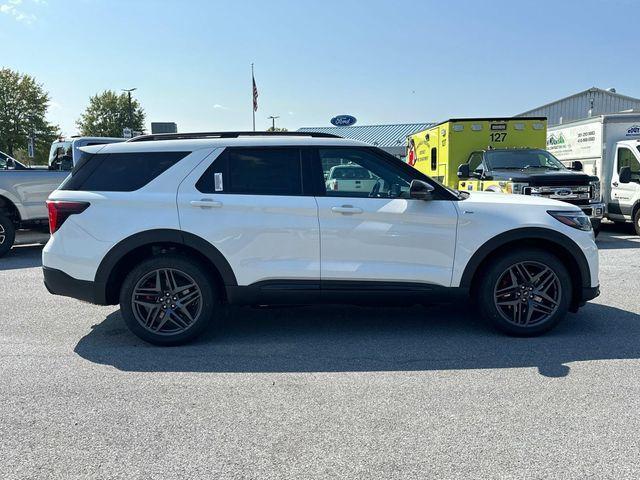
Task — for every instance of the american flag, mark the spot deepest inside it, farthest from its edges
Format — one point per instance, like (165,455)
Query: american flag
(255,94)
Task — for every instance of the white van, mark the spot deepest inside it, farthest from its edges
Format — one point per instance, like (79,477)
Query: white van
(607,146)
(65,152)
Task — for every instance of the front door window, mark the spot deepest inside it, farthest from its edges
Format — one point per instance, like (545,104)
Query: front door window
(350,172)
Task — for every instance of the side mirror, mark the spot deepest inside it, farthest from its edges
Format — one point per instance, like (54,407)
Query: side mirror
(420,190)
(624,176)
(463,171)
(577,166)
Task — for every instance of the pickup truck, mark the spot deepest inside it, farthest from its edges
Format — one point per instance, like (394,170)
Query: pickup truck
(23,191)
(348,179)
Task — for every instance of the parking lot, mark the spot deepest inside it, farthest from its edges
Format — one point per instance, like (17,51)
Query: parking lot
(422,392)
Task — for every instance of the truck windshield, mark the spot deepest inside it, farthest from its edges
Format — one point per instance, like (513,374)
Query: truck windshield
(522,159)
(61,155)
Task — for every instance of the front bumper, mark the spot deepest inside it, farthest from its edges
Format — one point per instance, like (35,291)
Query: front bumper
(590,293)
(595,211)
(60,283)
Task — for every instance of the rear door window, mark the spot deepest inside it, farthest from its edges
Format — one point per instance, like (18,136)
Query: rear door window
(254,171)
(120,172)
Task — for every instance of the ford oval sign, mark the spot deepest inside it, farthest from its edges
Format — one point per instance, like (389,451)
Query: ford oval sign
(343,121)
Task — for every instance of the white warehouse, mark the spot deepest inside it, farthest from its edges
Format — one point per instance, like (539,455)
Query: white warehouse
(588,103)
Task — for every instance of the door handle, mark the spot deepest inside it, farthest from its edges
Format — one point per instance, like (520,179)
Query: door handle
(348,209)
(615,184)
(205,203)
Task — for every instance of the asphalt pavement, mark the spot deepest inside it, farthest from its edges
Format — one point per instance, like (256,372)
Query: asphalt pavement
(321,392)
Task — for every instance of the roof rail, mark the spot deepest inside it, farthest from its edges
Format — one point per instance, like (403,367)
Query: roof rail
(192,136)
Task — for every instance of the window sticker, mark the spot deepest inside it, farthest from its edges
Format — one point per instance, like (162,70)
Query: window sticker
(217,180)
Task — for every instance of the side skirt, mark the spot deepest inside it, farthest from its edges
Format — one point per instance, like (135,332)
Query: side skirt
(304,292)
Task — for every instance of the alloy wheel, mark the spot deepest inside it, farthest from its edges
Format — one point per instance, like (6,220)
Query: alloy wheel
(3,234)
(527,294)
(166,301)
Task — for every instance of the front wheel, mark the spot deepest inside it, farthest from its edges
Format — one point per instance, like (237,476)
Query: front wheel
(525,292)
(7,234)
(636,221)
(168,300)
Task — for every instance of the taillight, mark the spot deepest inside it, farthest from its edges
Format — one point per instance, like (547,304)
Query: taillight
(59,211)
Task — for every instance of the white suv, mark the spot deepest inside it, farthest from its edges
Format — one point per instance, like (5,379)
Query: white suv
(172,226)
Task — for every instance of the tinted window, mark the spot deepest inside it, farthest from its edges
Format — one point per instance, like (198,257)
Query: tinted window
(434,158)
(120,172)
(254,171)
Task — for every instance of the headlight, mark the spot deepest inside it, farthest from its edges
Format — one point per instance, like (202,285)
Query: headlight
(595,191)
(516,187)
(571,218)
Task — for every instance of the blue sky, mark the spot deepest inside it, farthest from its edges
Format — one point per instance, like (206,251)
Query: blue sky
(381,61)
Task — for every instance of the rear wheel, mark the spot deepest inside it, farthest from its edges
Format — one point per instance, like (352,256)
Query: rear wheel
(525,292)
(7,234)
(168,300)
(636,221)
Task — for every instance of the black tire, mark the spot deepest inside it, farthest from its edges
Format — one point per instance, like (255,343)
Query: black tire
(496,278)
(7,234)
(596,223)
(201,311)
(636,221)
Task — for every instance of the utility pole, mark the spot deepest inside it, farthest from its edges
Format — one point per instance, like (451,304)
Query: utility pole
(129,90)
(273,122)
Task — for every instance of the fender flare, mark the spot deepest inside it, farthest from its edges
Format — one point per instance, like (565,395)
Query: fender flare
(527,233)
(148,237)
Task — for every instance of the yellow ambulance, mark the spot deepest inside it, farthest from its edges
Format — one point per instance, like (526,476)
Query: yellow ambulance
(441,149)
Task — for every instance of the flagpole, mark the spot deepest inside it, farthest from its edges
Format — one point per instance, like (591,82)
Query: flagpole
(253,110)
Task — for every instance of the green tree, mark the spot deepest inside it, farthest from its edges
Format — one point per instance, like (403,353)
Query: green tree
(108,113)
(23,106)
(277,129)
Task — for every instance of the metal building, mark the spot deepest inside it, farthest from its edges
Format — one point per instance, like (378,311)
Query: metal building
(391,138)
(591,102)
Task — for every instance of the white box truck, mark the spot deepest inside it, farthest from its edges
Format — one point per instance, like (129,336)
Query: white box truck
(607,146)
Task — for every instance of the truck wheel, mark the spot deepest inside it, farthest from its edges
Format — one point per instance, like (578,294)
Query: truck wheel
(596,227)
(636,221)
(7,234)
(168,300)
(525,292)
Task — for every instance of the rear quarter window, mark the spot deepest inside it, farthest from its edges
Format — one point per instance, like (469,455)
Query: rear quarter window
(120,172)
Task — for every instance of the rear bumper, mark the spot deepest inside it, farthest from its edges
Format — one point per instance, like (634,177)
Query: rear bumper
(60,283)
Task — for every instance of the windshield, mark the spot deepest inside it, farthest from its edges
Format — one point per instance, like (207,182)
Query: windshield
(521,159)
(61,155)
